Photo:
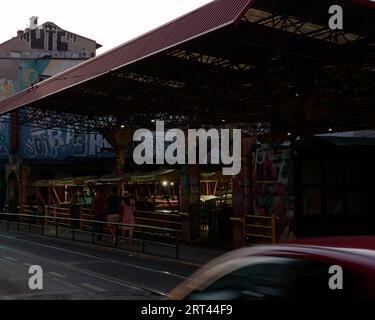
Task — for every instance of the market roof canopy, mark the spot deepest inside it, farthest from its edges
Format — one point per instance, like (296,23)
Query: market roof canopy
(137,177)
(234,60)
(170,175)
(159,175)
(70,182)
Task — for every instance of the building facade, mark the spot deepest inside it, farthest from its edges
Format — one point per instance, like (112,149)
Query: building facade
(33,55)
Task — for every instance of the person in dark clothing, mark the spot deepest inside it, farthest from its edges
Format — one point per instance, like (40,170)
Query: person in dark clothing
(98,213)
(113,209)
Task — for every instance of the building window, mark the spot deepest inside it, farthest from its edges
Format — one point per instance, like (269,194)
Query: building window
(15,54)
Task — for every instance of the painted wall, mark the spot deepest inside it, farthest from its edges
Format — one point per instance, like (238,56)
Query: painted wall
(274,188)
(20,74)
(29,58)
(4,136)
(25,72)
(7,87)
(48,39)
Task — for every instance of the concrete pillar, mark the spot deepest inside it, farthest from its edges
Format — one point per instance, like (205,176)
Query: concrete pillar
(119,138)
(24,184)
(189,202)
(12,179)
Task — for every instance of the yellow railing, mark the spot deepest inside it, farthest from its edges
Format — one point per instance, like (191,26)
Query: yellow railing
(260,229)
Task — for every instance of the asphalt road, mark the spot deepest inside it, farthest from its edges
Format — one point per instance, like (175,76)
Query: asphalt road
(73,270)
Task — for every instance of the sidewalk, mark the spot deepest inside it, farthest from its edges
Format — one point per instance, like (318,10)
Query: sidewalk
(198,255)
(187,254)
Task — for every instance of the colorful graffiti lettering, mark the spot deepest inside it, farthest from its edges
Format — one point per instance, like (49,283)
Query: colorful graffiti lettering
(4,144)
(58,144)
(4,136)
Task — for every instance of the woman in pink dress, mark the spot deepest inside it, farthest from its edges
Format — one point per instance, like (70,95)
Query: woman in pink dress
(127,214)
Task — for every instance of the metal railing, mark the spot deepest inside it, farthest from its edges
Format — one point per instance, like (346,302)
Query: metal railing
(262,228)
(146,234)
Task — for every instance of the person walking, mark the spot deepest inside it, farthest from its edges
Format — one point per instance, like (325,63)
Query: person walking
(127,214)
(113,208)
(98,213)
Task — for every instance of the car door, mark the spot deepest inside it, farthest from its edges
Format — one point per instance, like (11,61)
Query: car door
(262,278)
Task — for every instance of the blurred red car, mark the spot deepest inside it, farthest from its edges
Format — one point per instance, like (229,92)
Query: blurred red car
(297,270)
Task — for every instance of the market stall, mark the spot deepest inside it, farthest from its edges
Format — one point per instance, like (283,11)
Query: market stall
(64,192)
(154,191)
(215,184)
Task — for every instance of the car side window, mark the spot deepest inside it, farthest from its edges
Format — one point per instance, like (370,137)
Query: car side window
(278,278)
(261,280)
(310,281)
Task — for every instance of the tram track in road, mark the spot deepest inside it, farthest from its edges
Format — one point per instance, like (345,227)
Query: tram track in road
(111,260)
(133,284)
(188,266)
(82,286)
(24,269)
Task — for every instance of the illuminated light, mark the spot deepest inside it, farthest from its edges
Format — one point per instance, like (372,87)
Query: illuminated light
(289,134)
(330,130)
(164,183)
(122,126)
(172,184)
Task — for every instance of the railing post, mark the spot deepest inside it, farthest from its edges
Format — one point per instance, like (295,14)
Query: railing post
(143,242)
(54,215)
(47,213)
(177,248)
(143,229)
(273,224)
(116,236)
(80,219)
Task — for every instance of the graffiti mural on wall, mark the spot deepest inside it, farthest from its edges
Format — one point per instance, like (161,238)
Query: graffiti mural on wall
(30,71)
(273,188)
(51,39)
(7,88)
(33,71)
(4,136)
(26,72)
(59,144)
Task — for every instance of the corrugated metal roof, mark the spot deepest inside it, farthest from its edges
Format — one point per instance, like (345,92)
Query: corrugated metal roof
(133,177)
(70,181)
(211,17)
